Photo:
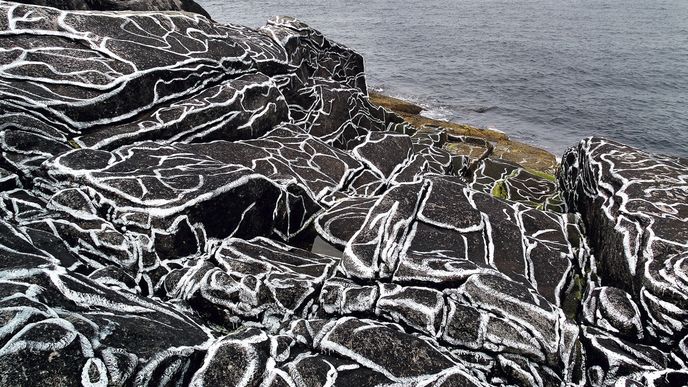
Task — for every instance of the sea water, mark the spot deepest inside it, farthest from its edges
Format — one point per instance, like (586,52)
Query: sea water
(546,72)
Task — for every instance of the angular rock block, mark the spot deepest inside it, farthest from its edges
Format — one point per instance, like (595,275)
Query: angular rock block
(133,5)
(341,116)
(510,181)
(151,186)
(259,280)
(635,206)
(489,313)
(66,329)
(242,108)
(413,227)
(314,56)
(614,310)
(291,159)
(383,348)
(113,65)
(340,222)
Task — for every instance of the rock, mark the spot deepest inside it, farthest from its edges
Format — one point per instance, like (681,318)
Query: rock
(80,328)
(385,154)
(528,156)
(665,378)
(122,5)
(316,57)
(290,158)
(242,108)
(8,180)
(339,223)
(613,359)
(411,223)
(256,280)
(370,343)
(634,206)
(507,180)
(190,203)
(152,186)
(344,297)
(236,359)
(488,313)
(614,310)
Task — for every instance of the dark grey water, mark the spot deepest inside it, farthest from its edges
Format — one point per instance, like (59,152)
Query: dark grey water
(547,72)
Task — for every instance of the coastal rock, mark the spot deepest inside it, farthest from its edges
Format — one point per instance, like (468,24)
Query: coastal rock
(507,180)
(64,328)
(256,280)
(475,231)
(315,57)
(236,359)
(635,206)
(122,5)
(614,360)
(614,310)
(184,202)
(152,186)
(340,222)
(242,108)
(399,356)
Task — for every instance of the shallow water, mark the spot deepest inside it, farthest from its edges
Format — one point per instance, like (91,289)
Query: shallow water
(547,72)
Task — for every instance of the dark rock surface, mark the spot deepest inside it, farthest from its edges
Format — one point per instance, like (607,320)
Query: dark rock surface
(189,203)
(122,5)
(635,206)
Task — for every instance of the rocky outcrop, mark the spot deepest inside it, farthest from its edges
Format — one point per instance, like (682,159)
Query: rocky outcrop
(189,203)
(122,5)
(635,205)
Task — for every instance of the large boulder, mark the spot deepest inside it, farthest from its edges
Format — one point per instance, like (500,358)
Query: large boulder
(411,225)
(122,5)
(66,329)
(635,206)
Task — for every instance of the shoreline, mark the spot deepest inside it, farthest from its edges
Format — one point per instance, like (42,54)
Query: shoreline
(528,156)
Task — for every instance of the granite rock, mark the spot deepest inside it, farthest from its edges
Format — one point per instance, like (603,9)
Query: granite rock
(184,202)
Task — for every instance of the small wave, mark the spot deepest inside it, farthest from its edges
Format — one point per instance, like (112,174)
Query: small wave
(495,130)
(376,88)
(436,113)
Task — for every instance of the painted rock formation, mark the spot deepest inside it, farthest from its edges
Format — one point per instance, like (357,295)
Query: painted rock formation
(184,202)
